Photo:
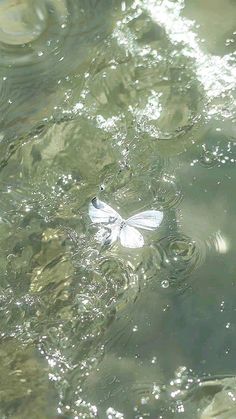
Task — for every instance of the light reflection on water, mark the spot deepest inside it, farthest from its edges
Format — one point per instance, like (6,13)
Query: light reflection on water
(127,102)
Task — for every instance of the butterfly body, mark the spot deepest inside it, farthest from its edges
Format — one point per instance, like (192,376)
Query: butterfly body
(114,226)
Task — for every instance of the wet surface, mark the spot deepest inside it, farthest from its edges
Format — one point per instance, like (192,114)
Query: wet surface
(133,102)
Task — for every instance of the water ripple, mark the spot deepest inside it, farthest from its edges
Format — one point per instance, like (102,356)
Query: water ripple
(165,192)
(179,256)
(202,397)
(38,63)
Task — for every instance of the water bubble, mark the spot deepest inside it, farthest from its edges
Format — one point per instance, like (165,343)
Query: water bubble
(208,159)
(165,283)
(144,400)
(217,150)
(114,414)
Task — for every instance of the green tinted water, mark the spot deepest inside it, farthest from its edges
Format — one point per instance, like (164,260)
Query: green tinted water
(134,102)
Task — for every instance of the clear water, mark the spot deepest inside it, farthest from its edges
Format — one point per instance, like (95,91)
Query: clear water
(134,102)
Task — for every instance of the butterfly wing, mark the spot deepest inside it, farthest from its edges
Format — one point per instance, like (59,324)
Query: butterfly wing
(108,236)
(130,237)
(148,220)
(100,212)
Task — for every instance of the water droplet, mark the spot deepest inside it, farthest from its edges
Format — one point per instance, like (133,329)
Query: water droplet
(165,283)
(144,400)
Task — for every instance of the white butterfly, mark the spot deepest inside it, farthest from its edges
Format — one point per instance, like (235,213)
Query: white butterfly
(116,227)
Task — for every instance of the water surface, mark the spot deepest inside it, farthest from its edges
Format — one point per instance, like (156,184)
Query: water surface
(133,102)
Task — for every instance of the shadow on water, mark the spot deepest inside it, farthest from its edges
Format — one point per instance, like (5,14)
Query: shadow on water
(131,101)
